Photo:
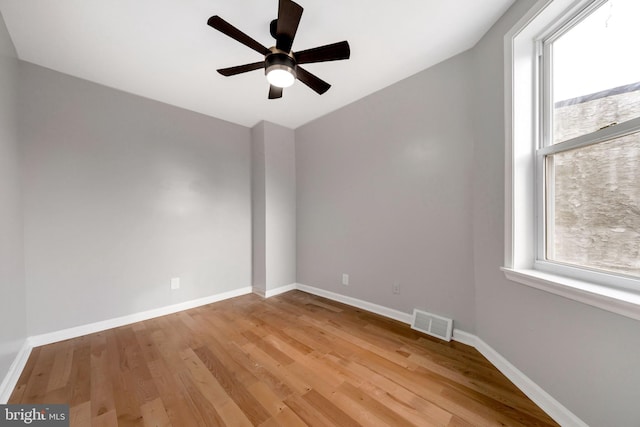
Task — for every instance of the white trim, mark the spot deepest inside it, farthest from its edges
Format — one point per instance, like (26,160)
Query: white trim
(518,223)
(354,302)
(282,289)
(91,328)
(464,337)
(601,135)
(619,301)
(586,274)
(544,400)
(523,198)
(13,375)
(457,335)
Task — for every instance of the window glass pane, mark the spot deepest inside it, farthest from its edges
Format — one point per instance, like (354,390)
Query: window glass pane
(593,206)
(596,71)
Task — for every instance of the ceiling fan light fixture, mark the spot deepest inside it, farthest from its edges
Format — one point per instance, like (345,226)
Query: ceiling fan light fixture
(280,68)
(280,75)
(280,62)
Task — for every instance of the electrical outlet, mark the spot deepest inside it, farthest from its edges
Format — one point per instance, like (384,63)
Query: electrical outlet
(395,288)
(345,279)
(175,283)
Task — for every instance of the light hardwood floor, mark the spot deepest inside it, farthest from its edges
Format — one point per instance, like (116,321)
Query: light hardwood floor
(291,360)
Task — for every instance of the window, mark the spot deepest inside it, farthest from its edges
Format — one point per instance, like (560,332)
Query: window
(589,154)
(573,151)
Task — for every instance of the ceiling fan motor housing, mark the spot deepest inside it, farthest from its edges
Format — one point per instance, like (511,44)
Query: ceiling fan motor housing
(279,60)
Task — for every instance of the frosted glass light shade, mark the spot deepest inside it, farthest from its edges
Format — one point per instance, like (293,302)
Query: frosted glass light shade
(280,76)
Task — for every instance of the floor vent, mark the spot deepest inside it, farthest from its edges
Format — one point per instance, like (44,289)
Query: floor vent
(431,324)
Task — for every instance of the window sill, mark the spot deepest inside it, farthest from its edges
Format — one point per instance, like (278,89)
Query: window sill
(619,301)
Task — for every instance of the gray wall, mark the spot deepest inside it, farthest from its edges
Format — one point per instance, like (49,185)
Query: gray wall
(121,195)
(280,218)
(584,357)
(385,195)
(258,210)
(274,207)
(13,318)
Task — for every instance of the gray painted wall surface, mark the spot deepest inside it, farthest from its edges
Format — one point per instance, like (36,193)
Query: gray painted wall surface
(274,206)
(280,216)
(585,357)
(121,195)
(13,320)
(385,195)
(258,210)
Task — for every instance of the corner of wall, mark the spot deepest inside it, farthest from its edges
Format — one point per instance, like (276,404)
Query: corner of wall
(13,313)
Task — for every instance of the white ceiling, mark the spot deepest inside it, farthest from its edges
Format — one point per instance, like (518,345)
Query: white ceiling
(163,49)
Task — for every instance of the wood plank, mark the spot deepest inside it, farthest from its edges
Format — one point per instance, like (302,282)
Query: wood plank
(80,378)
(287,418)
(124,395)
(61,369)
(80,415)
(269,349)
(262,373)
(107,419)
(21,386)
(374,408)
(202,408)
(178,404)
(417,406)
(295,383)
(213,392)
(237,391)
(306,412)
(323,405)
(267,398)
(102,395)
(36,387)
(154,414)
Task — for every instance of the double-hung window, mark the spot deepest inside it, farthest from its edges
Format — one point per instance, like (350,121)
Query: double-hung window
(574,129)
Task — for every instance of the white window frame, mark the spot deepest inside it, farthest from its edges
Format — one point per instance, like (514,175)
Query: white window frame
(524,195)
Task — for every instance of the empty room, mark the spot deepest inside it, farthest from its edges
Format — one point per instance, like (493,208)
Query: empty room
(278,213)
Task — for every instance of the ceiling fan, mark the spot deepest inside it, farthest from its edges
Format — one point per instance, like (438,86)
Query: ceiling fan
(281,64)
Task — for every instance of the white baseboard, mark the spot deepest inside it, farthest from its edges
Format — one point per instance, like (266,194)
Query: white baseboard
(13,375)
(544,400)
(91,328)
(259,292)
(354,302)
(464,337)
(282,289)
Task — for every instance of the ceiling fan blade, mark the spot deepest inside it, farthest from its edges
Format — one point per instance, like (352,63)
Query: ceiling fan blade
(239,69)
(231,31)
(275,92)
(315,83)
(289,14)
(330,52)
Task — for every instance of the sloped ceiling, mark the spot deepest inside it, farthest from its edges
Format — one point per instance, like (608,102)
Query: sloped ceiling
(163,50)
